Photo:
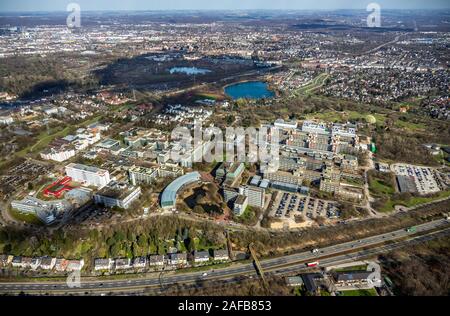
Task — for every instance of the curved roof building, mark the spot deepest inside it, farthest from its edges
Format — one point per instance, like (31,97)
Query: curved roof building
(169,196)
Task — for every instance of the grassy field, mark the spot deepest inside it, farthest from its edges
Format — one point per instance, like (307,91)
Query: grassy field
(335,116)
(46,138)
(409,125)
(379,186)
(249,217)
(369,292)
(315,84)
(414,201)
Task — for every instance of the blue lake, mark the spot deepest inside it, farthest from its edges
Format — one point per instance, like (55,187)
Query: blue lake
(249,90)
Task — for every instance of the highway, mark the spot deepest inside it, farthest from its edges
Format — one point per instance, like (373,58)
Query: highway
(327,256)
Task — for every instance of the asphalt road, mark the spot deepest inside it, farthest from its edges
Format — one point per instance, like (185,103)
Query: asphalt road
(327,256)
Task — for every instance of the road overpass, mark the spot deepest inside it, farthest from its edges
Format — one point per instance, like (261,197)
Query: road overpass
(332,255)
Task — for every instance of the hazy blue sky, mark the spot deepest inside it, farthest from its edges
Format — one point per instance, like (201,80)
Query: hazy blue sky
(60,5)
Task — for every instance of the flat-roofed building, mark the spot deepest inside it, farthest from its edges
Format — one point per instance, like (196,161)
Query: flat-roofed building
(230,171)
(169,196)
(117,194)
(256,195)
(315,127)
(88,175)
(280,123)
(328,185)
(406,184)
(138,175)
(58,154)
(283,176)
(230,193)
(240,205)
(108,144)
(168,170)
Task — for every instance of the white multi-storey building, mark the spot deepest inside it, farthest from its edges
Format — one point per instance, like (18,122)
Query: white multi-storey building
(6,120)
(280,123)
(90,176)
(256,195)
(313,127)
(58,155)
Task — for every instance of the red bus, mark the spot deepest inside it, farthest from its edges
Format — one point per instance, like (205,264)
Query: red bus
(312,264)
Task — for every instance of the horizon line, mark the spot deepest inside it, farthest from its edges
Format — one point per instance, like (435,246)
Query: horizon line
(221,10)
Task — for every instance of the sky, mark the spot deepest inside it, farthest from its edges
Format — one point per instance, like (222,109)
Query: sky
(89,5)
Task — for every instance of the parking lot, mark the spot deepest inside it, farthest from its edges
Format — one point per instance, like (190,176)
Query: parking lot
(289,205)
(17,176)
(424,177)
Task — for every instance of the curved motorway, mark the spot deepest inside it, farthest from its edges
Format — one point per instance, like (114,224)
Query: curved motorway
(328,256)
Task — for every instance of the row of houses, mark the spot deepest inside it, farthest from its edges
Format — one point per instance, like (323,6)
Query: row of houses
(158,261)
(43,263)
(155,261)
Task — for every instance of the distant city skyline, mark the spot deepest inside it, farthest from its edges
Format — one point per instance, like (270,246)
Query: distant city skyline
(104,5)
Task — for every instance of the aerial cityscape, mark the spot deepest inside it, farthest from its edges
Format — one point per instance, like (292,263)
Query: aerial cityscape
(193,149)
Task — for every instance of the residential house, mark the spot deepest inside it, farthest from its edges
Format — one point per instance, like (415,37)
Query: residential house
(61,265)
(35,263)
(75,265)
(201,256)
(139,262)
(157,260)
(221,255)
(351,278)
(123,264)
(177,259)
(103,264)
(47,263)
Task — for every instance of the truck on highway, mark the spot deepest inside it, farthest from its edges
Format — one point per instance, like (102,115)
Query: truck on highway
(314,251)
(312,264)
(411,229)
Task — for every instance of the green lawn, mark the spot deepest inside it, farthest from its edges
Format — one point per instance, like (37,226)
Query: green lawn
(409,125)
(369,292)
(43,140)
(378,186)
(27,218)
(412,202)
(335,116)
(249,217)
(316,83)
